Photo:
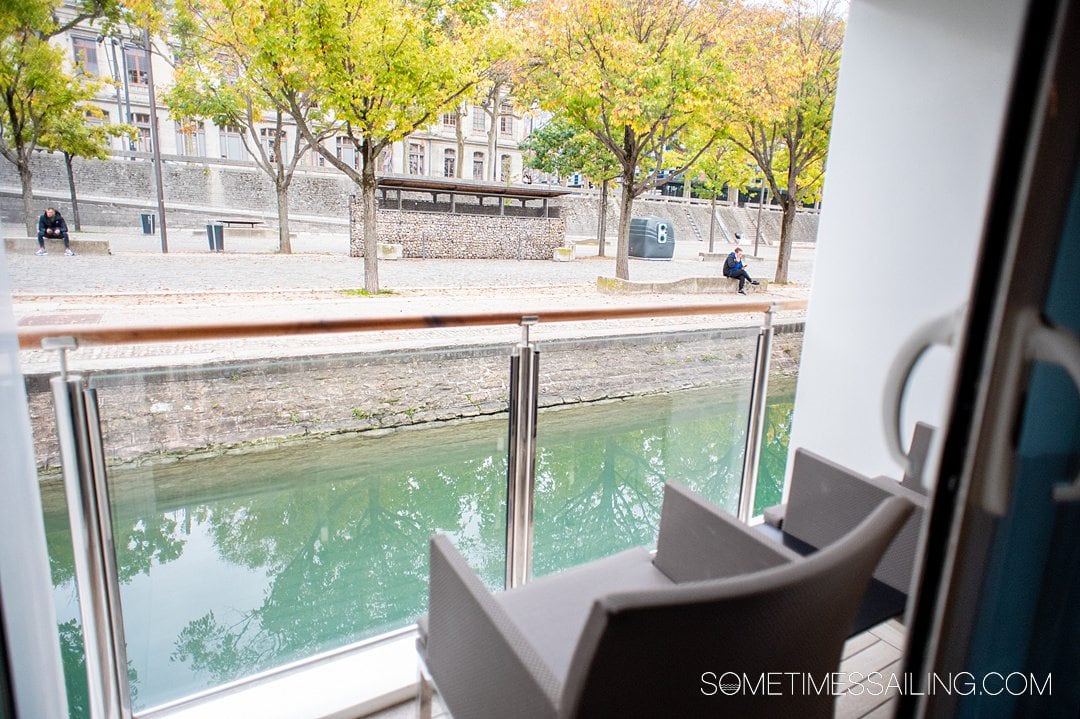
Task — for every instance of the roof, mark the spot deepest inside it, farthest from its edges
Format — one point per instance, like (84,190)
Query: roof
(470,187)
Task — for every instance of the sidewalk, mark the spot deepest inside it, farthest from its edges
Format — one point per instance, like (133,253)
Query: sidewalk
(133,288)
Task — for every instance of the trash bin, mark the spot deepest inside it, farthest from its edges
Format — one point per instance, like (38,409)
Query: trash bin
(215,236)
(652,238)
(149,222)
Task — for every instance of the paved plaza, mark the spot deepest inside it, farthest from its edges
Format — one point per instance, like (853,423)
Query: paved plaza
(138,286)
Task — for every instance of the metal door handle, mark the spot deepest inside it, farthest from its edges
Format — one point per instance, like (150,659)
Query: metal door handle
(1058,346)
(939,331)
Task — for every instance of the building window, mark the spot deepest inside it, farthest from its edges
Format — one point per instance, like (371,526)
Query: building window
(478,165)
(386,161)
(449,119)
(86,59)
(504,168)
(449,163)
(506,119)
(138,66)
(191,139)
(479,119)
(232,143)
(141,121)
(416,158)
(346,152)
(267,135)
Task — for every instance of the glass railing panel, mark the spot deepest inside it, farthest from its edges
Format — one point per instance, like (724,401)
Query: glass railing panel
(268,511)
(618,417)
(779,410)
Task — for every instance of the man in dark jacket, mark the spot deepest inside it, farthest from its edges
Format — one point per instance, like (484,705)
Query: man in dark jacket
(51,224)
(734,268)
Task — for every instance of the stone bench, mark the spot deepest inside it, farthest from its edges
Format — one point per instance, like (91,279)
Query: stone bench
(55,246)
(727,284)
(686,286)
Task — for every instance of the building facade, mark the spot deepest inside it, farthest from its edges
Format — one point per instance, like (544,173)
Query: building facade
(472,142)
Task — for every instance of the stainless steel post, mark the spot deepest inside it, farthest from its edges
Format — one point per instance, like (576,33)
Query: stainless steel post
(78,434)
(521,457)
(755,424)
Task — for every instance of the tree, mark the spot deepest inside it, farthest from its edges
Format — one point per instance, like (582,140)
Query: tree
(37,90)
(636,74)
(80,133)
(557,148)
(234,73)
(723,164)
(787,81)
(384,69)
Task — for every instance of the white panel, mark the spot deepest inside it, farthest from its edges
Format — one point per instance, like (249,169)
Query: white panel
(919,113)
(29,616)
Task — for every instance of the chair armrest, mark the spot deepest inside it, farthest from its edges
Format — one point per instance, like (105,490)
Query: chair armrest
(774,515)
(827,500)
(698,542)
(478,658)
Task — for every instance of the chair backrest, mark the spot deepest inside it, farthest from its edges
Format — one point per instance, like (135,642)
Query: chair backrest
(827,500)
(666,652)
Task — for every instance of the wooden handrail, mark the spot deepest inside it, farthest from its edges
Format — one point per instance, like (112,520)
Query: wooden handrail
(31,338)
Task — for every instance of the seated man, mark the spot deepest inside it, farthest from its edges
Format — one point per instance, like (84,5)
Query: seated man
(51,224)
(734,268)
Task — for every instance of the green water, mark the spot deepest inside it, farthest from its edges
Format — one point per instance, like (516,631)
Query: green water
(237,564)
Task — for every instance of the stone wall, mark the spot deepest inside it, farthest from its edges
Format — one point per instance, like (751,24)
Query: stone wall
(445,235)
(114,192)
(161,414)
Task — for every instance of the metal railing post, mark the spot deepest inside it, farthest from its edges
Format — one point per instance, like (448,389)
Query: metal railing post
(79,436)
(521,457)
(755,424)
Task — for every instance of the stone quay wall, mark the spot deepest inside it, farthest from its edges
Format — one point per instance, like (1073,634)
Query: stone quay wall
(113,192)
(163,414)
(461,236)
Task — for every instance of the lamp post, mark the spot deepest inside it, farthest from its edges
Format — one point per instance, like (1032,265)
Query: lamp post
(155,146)
(757,228)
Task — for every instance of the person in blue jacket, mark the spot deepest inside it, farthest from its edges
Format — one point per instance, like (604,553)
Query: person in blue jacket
(736,270)
(51,224)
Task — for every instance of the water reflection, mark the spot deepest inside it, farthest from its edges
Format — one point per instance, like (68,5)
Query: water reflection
(239,563)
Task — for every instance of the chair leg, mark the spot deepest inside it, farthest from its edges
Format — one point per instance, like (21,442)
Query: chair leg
(423,692)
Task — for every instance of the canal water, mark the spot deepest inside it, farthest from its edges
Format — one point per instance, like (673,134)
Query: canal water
(239,563)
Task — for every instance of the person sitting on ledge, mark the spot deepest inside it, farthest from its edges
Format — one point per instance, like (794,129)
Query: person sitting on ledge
(51,224)
(736,270)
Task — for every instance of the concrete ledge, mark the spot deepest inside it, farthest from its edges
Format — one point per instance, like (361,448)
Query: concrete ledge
(685,286)
(28,246)
(563,254)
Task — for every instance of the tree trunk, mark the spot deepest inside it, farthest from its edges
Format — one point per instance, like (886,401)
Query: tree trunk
(29,217)
(787,222)
(493,149)
(601,232)
(493,134)
(460,132)
(284,243)
(626,210)
(712,220)
(367,216)
(74,199)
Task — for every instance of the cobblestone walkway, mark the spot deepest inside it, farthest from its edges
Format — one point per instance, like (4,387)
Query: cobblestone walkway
(142,288)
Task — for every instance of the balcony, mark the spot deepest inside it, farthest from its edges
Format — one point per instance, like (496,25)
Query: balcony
(268,519)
